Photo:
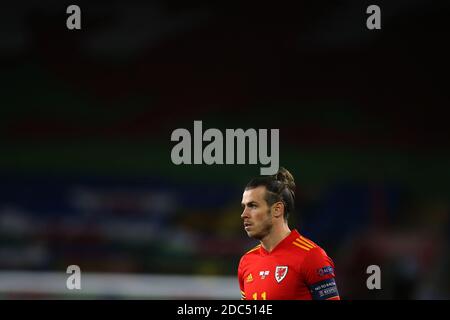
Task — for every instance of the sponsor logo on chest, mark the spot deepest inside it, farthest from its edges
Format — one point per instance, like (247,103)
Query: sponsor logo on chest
(264,274)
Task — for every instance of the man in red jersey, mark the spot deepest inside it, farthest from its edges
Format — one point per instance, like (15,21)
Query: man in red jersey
(285,265)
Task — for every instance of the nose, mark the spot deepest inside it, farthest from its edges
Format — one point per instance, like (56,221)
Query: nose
(244,214)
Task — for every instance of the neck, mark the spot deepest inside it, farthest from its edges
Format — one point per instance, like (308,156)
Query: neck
(276,235)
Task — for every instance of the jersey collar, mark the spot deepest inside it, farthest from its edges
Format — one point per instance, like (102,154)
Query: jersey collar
(291,237)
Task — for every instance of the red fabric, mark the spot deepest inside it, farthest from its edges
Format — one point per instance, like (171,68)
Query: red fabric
(263,275)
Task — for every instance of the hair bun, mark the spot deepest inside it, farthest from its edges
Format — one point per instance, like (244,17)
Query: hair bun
(286,178)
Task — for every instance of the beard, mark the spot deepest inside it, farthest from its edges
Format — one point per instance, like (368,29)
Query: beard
(264,228)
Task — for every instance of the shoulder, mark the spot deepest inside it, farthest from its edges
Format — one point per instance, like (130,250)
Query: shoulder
(251,253)
(305,246)
(310,252)
(316,263)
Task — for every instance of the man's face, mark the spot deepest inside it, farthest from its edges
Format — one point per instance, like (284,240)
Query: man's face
(257,216)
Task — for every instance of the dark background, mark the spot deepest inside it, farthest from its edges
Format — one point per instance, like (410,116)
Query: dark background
(86,117)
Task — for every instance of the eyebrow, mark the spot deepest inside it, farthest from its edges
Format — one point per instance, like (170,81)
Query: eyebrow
(248,203)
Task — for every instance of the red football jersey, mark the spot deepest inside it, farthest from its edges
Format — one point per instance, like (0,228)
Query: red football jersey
(296,268)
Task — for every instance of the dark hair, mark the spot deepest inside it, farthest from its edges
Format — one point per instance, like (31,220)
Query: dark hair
(279,187)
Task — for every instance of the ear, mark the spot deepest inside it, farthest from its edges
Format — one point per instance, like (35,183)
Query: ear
(278,209)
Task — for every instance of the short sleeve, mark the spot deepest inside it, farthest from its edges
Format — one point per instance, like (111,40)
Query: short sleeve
(319,275)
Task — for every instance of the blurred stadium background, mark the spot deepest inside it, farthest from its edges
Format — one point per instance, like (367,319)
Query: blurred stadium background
(86,117)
